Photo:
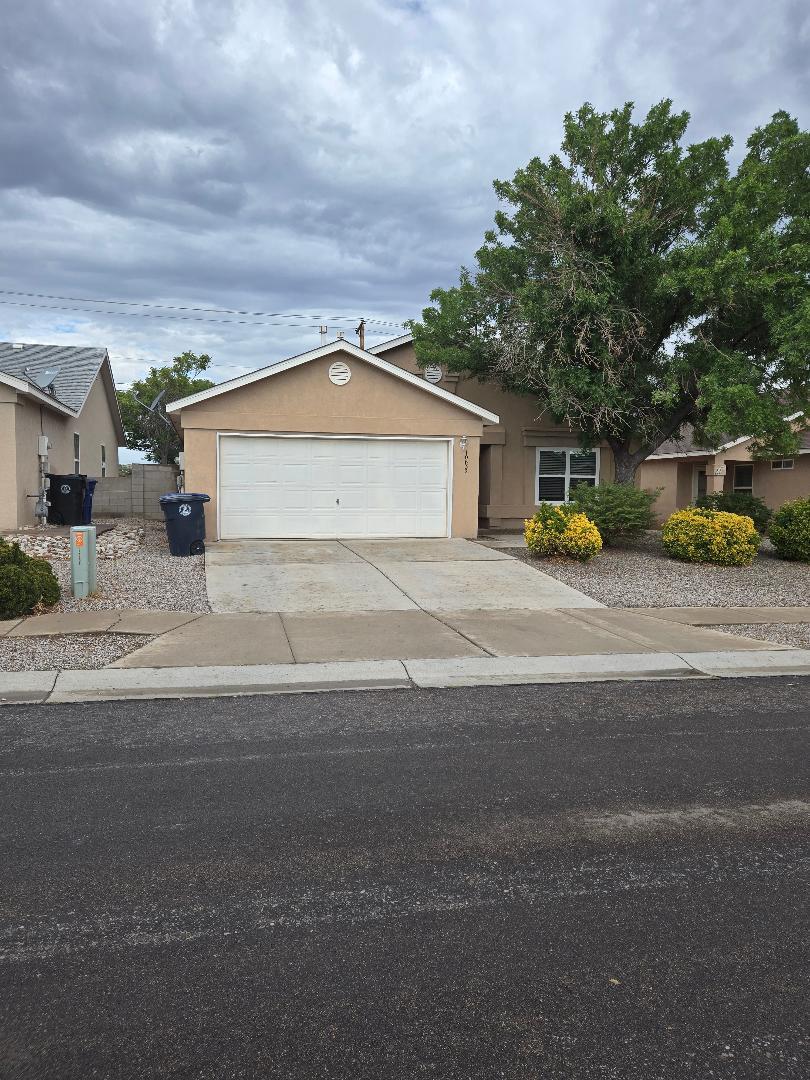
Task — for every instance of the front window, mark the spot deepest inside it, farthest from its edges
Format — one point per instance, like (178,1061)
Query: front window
(782,463)
(559,471)
(77,462)
(743,479)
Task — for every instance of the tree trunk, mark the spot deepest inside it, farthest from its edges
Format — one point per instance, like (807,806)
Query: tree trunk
(625,462)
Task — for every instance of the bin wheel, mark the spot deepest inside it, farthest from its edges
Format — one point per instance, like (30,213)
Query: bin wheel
(198,548)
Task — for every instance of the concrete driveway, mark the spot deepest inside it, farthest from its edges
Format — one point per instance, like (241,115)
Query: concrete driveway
(377,575)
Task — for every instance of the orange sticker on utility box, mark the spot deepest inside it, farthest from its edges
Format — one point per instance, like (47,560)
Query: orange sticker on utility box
(79,538)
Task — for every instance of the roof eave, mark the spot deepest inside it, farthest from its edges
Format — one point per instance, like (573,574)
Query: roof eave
(325,350)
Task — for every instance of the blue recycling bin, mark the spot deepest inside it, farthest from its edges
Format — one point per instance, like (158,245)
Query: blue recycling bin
(87,505)
(184,514)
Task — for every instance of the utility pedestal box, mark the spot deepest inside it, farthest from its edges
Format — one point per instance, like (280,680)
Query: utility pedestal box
(83,559)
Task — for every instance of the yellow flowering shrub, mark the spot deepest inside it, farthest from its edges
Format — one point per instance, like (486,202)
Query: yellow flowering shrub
(561,530)
(698,534)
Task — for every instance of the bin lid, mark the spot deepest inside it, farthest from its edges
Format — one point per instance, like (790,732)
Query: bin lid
(184,497)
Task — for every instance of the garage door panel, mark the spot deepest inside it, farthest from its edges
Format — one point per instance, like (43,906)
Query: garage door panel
(273,487)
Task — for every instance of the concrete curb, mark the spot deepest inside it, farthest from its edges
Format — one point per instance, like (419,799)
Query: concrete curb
(110,684)
(505,670)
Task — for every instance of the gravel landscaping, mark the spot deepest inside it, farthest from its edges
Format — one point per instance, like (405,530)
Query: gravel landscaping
(642,575)
(59,653)
(146,576)
(795,635)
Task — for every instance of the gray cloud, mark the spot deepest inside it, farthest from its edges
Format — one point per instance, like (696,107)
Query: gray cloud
(334,158)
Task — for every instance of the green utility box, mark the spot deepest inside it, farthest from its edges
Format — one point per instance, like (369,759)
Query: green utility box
(83,559)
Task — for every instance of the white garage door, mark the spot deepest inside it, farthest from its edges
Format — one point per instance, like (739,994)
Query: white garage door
(273,487)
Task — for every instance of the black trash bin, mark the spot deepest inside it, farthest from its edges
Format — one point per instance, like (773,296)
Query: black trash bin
(87,505)
(66,498)
(184,513)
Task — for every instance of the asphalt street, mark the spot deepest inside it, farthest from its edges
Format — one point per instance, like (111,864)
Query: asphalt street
(586,881)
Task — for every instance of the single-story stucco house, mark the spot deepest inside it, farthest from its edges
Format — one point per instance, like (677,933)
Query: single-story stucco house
(684,471)
(63,392)
(347,442)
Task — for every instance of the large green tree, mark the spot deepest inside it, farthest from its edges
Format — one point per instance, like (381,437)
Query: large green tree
(143,406)
(636,284)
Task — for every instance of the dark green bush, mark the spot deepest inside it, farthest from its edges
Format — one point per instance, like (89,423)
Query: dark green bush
(48,584)
(790,530)
(619,511)
(24,582)
(737,502)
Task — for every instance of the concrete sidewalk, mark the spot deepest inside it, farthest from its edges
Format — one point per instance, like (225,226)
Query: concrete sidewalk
(112,684)
(284,652)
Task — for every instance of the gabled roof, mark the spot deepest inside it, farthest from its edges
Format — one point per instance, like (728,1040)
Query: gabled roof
(687,447)
(393,343)
(76,368)
(337,346)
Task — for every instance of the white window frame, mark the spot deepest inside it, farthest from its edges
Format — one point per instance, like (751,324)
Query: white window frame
(103,460)
(77,452)
(735,487)
(782,464)
(568,451)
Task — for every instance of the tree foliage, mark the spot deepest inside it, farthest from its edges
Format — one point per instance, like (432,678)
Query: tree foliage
(636,284)
(149,429)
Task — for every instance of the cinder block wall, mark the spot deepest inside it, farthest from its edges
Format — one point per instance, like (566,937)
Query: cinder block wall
(136,495)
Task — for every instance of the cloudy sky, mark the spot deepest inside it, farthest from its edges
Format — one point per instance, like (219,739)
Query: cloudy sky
(325,158)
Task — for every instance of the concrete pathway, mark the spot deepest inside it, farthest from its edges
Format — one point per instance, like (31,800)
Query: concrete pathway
(112,684)
(377,575)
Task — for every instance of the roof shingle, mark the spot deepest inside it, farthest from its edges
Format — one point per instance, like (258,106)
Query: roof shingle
(76,368)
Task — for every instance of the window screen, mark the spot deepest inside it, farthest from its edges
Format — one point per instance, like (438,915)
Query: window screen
(559,471)
(744,479)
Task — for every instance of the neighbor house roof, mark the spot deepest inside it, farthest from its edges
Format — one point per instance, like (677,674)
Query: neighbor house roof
(392,343)
(687,446)
(326,350)
(73,369)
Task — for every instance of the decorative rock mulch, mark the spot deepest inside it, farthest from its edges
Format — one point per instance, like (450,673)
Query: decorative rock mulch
(641,574)
(58,653)
(46,543)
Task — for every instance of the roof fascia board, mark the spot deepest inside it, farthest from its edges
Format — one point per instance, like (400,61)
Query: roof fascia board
(23,387)
(327,350)
(392,343)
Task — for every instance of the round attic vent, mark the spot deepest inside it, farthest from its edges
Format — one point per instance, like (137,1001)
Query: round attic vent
(433,373)
(339,373)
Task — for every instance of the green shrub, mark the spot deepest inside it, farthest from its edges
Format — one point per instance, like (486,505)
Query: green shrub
(736,502)
(619,511)
(562,530)
(49,591)
(711,536)
(790,530)
(24,582)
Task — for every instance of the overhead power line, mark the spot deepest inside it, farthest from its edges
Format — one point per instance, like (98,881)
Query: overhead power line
(203,310)
(173,318)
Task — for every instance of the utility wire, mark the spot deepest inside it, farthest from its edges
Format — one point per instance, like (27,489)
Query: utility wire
(173,318)
(204,310)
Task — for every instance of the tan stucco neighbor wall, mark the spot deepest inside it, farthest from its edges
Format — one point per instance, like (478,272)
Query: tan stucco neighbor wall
(302,400)
(509,460)
(22,420)
(677,477)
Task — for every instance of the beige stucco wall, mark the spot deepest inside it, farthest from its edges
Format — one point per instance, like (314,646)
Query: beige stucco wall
(507,489)
(23,420)
(676,476)
(303,400)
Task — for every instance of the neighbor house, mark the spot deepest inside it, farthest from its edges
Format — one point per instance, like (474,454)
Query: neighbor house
(346,442)
(67,394)
(684,471)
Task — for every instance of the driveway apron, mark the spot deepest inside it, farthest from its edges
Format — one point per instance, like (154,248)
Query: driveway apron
(332,576)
